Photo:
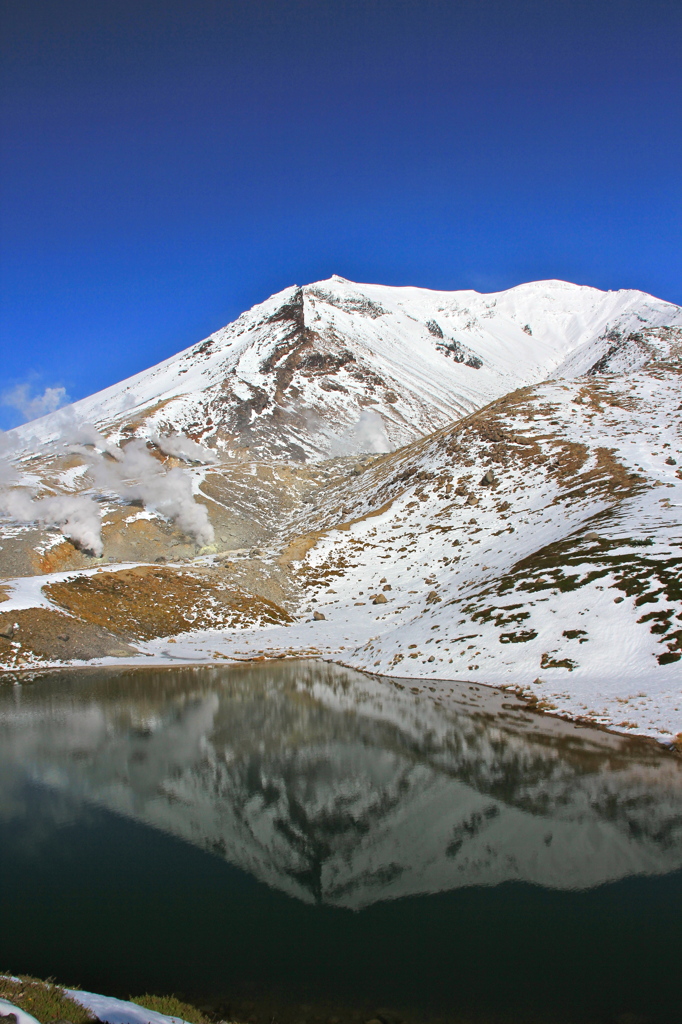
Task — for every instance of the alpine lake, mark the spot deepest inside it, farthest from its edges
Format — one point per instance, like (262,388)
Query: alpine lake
(293,841)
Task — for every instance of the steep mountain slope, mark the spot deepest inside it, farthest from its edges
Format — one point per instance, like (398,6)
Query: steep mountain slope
(337,367)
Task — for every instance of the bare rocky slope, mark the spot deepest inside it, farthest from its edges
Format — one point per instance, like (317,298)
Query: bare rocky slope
(242,499)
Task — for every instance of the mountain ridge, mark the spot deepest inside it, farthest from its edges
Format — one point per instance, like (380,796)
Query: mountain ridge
(294,376)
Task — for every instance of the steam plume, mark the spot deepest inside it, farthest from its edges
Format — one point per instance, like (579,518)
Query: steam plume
(129,472)
(366,435)
(135,474)
(76,515)
(182,447)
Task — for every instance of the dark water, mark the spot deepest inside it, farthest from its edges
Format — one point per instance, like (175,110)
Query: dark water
(298,842)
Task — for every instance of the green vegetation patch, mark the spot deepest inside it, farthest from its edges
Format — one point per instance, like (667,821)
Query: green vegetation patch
(47,1002)
(43,1000)
(171,1006)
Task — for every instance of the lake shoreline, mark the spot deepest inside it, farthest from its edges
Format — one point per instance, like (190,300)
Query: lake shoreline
(526,697)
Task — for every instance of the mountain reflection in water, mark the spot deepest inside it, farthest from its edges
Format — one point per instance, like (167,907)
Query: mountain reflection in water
(341,789)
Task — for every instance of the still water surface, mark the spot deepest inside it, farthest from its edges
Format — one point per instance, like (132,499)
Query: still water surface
(299,842)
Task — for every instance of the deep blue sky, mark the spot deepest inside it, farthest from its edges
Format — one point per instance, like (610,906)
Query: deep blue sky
(166,164)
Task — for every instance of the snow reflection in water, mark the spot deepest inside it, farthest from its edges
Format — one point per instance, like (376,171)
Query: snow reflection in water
(340,789)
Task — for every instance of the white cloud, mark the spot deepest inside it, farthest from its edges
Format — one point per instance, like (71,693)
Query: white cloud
(30,406)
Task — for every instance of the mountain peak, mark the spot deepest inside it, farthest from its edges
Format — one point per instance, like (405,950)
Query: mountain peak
(295,376)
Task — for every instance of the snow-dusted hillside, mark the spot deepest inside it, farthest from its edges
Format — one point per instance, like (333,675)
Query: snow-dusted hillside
(337,367)
(535,545)
(532,543)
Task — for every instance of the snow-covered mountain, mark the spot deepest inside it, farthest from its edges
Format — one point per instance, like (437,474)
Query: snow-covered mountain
(336,367)
(533,543)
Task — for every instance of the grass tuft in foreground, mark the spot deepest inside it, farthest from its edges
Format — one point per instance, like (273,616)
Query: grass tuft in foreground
(42,999)
(171,1007)
(47,1002)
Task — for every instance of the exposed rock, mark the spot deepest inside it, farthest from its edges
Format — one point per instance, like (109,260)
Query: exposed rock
(472,499)
(319,616)
(379,599)
(432,597)
(460,353)
(488,478)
